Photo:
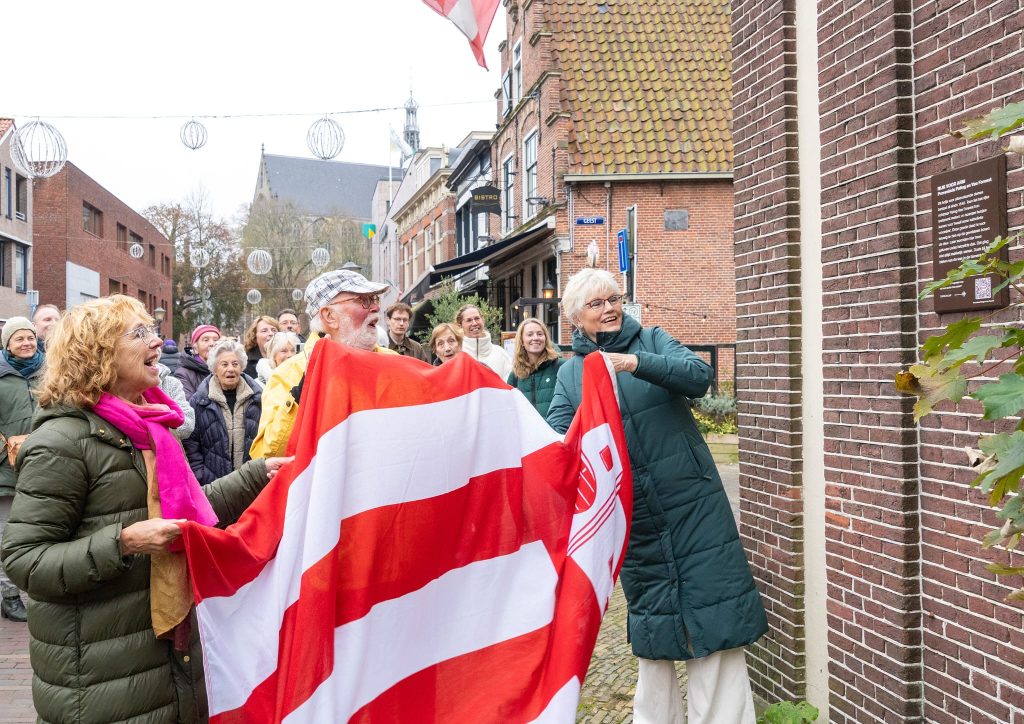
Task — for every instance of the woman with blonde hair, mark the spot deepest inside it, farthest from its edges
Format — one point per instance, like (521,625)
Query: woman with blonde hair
(283,345)
(535,364)
(255,340)
(102,487)
(445,342)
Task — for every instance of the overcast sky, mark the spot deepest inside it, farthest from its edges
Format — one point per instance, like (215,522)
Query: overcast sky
(224,57)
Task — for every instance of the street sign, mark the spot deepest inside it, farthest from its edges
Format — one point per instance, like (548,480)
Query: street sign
(589,220)
(623,251)
(633,310)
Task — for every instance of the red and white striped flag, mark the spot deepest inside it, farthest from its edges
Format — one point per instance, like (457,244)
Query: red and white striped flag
(436,553)
(472,17)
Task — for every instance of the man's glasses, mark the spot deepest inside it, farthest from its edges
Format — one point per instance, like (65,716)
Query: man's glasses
(599,303)
(143,332)
(365,300)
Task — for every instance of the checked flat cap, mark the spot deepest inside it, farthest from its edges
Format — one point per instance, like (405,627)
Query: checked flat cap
(328,285)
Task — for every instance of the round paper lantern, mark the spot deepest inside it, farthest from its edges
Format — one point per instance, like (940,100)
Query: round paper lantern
(38,149)
(253,296)
(321,256)
(193,134)
(259,261)
(325,138)
(136,251)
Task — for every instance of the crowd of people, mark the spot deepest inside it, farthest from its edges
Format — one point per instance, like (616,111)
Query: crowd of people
(112,436)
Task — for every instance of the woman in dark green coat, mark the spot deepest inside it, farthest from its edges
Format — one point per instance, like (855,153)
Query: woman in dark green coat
(21,365)
(102,483)
(689,589)
(535,364)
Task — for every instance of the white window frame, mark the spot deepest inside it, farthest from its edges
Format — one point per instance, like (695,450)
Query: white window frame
(506,93)
(517,72)
(508,191)
(530,173)
(438,238)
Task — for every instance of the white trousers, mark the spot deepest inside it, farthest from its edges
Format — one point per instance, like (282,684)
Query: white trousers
(718,691)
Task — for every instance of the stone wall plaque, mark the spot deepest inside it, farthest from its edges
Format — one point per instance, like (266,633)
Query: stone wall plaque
(677,219)
(968,212)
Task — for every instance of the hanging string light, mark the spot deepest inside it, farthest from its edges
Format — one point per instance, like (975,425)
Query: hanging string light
(253,296)
(193,134)
(38,149)
(320,257)
(325,138)
(259,261)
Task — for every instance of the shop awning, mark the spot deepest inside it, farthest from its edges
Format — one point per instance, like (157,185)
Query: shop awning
(494,253)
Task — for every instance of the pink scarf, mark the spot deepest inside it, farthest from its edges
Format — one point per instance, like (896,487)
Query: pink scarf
(148,427)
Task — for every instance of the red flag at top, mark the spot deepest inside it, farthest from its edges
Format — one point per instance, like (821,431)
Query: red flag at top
(472,17)
(436,552)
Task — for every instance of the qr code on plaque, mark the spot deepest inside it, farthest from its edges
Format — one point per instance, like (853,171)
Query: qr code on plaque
(983,288)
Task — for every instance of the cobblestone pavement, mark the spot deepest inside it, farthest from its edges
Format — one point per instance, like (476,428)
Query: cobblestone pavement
(607,696)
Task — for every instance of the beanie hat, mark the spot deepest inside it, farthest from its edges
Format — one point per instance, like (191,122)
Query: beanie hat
(201,330)
(15,324)
(170,346)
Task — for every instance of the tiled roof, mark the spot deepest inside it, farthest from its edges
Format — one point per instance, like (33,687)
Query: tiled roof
(646,84)
(5,125)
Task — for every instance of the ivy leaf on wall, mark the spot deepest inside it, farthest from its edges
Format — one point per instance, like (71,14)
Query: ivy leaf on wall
(1002,398)
(994,123)
(931,387)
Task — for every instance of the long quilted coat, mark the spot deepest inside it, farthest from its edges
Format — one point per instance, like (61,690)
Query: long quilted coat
(687,582)
(91,645)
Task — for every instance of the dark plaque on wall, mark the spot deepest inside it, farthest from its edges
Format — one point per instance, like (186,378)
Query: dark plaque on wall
(968,212)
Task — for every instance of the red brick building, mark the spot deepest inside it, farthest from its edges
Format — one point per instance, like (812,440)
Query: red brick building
(861,526)
(83,242)
(607,110)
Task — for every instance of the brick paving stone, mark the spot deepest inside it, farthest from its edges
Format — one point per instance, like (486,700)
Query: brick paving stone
(15,674)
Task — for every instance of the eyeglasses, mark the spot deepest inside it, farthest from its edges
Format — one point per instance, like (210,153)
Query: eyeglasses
(143,332)
(365,300)
(599,303)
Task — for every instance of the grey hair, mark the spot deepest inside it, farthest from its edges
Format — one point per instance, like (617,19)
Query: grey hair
(316,325)
(223,346)
(585,285)
(277,343)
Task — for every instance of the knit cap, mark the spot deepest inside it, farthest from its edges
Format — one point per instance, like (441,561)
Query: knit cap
(201,330)
(15,324)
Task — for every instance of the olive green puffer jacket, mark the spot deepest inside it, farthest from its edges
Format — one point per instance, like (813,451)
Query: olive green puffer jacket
(93,653)
(687,582)
(16,408)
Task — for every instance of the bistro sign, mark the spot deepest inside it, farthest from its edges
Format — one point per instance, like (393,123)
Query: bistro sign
(486,199)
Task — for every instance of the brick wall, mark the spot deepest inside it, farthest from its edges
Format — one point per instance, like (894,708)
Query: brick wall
(768,333)
(59,237)
(967,59)
(917,628)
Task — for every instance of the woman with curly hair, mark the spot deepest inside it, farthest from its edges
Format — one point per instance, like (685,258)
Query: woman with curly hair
(102,487)
(445,342)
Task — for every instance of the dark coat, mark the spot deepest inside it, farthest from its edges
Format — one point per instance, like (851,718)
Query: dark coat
(539,387)
(17,405)
(686,578)
(252,356)
(208,448)
(170,360)
(191,372)
(91,644)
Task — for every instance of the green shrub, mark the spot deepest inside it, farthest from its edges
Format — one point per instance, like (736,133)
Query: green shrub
(785,712)
(721,407)
(710,426)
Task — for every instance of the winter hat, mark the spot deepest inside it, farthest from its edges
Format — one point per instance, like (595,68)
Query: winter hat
(15,324)
(170,347)
(201,330)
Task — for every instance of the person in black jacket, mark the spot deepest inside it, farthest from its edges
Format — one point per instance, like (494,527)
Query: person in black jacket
(535,364)
(170,357)
(227,406)
(256,338)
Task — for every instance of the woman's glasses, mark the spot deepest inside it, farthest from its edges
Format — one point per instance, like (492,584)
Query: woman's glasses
(143,332)
(599,303)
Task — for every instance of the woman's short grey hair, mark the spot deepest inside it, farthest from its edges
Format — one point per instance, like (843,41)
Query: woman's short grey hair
(585,285)
(224,346)
(278,342)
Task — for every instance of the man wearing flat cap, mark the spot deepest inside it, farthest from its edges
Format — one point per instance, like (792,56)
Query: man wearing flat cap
(342,305)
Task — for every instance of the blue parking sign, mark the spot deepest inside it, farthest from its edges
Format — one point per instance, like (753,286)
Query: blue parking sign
(623,251)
